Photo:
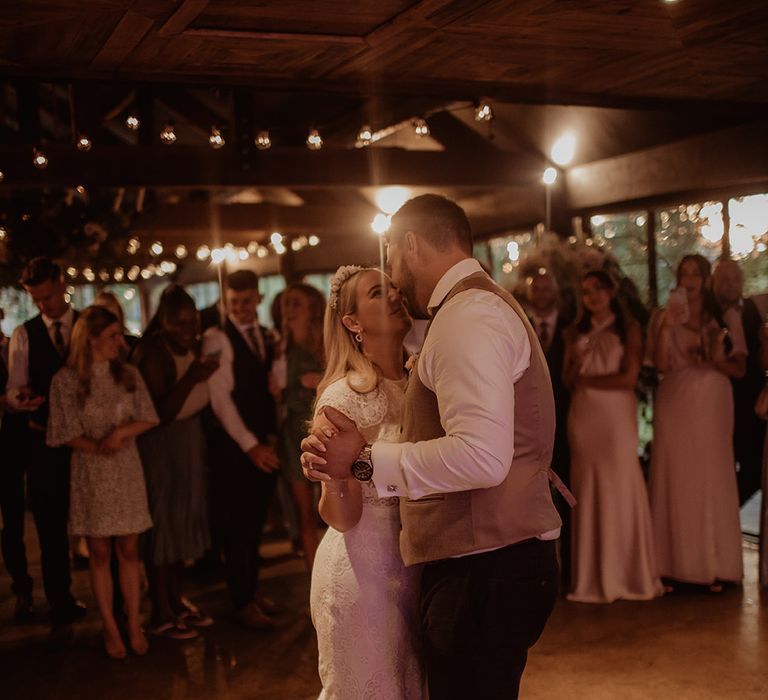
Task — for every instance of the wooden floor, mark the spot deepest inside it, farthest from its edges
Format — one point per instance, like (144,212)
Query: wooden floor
(683,647)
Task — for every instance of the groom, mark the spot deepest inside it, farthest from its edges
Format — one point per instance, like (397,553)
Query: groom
(472,465)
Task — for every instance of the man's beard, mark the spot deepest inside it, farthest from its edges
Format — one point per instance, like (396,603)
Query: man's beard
(407,288)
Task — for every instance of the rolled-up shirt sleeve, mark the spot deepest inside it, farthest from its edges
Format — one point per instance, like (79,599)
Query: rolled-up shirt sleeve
(221,383)
(476,349)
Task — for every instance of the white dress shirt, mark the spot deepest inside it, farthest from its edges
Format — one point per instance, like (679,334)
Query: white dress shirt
(475,351)
(222,382)
(18,352)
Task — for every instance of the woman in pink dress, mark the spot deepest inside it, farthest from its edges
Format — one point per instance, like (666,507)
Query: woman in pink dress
(694,497)
(613,554)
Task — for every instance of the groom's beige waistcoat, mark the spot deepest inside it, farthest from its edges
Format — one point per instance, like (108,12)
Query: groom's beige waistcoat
(521,507)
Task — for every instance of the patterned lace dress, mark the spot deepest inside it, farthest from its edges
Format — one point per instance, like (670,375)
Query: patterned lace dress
(364,600)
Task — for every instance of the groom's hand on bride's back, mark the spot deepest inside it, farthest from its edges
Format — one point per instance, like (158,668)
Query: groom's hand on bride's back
(341,441)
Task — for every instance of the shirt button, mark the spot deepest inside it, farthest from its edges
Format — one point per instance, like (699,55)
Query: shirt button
(392,488)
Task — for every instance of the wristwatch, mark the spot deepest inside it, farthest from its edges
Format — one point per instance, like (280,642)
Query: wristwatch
(362,467)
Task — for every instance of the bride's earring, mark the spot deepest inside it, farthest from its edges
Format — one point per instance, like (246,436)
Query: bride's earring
(359,338)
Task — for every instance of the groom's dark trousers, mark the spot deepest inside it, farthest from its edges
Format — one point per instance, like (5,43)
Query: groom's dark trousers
(481,613)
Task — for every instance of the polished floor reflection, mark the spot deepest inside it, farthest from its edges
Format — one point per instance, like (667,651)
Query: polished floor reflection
(684,647)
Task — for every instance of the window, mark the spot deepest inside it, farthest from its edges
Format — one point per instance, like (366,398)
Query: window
(748,235)
(504,254)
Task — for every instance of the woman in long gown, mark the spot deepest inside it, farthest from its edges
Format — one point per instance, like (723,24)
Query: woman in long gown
(693,492)
(98,407)
(613,555)
(363,598)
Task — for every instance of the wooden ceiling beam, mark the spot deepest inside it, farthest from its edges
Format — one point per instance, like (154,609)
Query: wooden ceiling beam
(125,37)
(185,14)
(727,158)
(199,166)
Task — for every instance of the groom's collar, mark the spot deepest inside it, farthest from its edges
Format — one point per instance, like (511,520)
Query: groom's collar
(462,269)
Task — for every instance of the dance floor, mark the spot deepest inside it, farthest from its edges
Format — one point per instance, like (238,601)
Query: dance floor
(683,647)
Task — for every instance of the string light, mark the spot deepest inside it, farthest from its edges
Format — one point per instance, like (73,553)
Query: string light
(146,273)
(132,122)
(129,294)
(3,233)
(564,149)
(168,267)
(420,127)
(89,274)
(80,190)
(203,253)
(168,134)
(380,224)
(242,254)
(156,248)
(365,136)
(253,248)
(181,252)
(262,141)
(263,251)
(39,159)
(84,144)
(314,140)
(72,272)
(104,275)
(133,273)
(2,176)
(513,251)
(216,139)
(118,274)
(133,246)
(218,255)
(483,112)
(314,240)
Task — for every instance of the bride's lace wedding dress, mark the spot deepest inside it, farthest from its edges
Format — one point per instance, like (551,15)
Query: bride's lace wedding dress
(364,600)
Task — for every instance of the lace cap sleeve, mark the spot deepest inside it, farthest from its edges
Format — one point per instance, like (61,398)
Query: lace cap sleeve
(364,409)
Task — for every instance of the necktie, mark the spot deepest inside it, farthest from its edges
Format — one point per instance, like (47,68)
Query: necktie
(250,331)
(58,339)
(544,334)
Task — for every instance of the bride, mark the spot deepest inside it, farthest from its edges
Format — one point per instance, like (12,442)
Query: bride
(363,598)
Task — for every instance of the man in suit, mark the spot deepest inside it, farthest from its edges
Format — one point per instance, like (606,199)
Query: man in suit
(471,470)
(543,296)
(243,459)
(749,430)
(37,351)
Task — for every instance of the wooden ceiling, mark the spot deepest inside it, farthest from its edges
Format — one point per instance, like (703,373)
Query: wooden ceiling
(634,79)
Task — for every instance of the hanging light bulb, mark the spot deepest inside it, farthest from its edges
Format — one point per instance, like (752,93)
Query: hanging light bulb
(72,272)
(39,159)
(89,274)
(262,141)
(564,149)
(118,274)
(2,176)
(156,248)
(203,252)
(365,135)
(313,241)
(80,189)
(134,272)
(84,144)
(242,254)
(550,175)
(314,140)
(380,223)
(218,255)
(133,246)
(168,267)
(253,248)
(3,233)
(104,275)
(146,273)
(263,251)
(132,122)
(181,252)
(483,112)
(420,127)
(168,134)
(216,139)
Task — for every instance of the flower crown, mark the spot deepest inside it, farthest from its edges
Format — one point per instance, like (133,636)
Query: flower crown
(338,280)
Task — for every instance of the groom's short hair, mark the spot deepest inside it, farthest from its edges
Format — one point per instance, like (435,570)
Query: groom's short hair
(439,220)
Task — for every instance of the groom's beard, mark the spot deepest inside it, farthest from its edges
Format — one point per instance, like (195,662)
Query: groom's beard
(408,289)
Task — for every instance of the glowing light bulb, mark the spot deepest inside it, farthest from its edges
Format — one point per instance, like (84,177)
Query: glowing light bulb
(168,266)
(203,252)
(132,122)
(597,220)
(3,233)
(314,240)
(365,135)
(564,149)
(216,139)
(84,144)
(380,224)
(549,177)
(134,272)
(181,252)
(133,246)
(168,134)
(263,142)
(104,275)
(89,274)
(118,274)
(314,140)
(146,273)
(72,272)
(242,254)
(390,199)
(156,248)
(39,159)
(2,176)
(218,255)
(276,238)
(513,251)
(263,251)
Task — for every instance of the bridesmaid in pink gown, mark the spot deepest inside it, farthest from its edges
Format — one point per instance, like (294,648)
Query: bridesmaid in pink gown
(694,498)
(613,554)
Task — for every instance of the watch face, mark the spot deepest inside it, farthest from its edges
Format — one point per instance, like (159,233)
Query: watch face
(362,471)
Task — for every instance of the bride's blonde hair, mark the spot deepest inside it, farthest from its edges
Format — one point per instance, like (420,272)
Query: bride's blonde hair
(343,355)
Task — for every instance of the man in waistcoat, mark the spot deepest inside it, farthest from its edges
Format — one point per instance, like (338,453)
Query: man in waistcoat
(37,351)
(472,469)
(242,459)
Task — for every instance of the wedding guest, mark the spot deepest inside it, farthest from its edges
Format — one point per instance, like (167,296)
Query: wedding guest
(359,581)
(173,455)
(693,493)
(110,301)
(245,466)
(303,310)
(98,407)
(37,351)
(749,430)
(550,323)
(612,537)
